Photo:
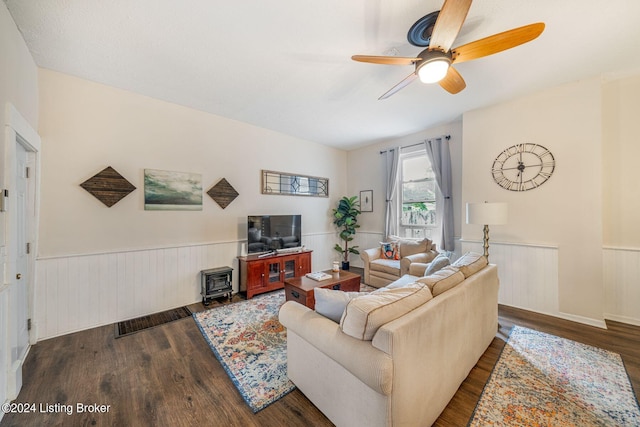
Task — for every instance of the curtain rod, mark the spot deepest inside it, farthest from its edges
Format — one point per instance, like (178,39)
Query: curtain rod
(447,137)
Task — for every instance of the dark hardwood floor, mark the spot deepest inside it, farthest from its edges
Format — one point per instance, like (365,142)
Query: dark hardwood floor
(168,376)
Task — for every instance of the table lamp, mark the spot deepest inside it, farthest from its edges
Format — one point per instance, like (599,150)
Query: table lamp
(486,214)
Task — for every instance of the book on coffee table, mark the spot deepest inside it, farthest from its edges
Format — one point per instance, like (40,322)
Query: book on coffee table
(319,275)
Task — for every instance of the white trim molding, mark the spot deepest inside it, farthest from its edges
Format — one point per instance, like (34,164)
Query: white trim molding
(621,271)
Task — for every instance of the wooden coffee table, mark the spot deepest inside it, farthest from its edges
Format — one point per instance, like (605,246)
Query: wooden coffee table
(300,289)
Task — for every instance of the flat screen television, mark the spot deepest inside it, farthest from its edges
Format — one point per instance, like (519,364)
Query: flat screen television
(267,233)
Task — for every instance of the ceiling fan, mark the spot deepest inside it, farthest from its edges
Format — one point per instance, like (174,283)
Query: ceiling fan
(438,31)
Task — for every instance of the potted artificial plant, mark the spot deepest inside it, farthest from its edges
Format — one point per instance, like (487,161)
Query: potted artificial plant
(345,217)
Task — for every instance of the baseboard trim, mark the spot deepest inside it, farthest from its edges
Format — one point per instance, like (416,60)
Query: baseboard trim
(622,319)
(584,320)
(566,316)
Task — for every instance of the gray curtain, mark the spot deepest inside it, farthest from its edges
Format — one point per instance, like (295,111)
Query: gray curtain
(440,157)
(391,214)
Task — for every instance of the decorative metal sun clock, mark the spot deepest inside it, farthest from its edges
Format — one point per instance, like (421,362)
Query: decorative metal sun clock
(523,167)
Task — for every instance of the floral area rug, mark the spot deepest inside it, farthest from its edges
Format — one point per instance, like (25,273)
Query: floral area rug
(251,345)
(544,380)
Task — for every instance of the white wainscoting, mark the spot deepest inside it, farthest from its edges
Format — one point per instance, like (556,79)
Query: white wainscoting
(528,275)
(79,292)
(622,284)
(323,253)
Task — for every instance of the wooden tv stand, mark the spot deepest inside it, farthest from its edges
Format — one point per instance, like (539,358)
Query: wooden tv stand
(259,274)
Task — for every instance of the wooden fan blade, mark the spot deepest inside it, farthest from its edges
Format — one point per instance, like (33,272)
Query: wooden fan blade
(387,60)
(453,81)
(496,43)
(405,82)
(448,24)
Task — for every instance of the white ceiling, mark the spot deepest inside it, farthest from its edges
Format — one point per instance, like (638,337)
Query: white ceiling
(285,65)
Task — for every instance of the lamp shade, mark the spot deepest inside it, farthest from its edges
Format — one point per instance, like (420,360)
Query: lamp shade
(487,213)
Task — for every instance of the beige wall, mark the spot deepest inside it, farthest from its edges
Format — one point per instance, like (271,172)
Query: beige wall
(567,210)
(621,157)
(87,127)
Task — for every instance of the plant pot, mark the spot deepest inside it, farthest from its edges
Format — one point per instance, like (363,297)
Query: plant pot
(345,265)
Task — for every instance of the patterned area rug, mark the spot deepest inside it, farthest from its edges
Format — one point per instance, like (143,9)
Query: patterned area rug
(544,380)
(251,345)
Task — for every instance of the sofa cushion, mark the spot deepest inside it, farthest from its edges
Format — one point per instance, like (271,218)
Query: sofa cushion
(389,266)
(443,280)
(470,263)
(411,247)
(365,314)
(389,250)
(438,262)
(403,281)
(331,303)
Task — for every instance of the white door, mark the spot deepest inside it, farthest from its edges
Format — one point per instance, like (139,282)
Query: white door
(19,306)
(20,148)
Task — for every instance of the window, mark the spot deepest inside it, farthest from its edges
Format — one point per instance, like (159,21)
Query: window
(417,195)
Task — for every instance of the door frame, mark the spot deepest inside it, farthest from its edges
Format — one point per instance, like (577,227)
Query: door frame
(19,131)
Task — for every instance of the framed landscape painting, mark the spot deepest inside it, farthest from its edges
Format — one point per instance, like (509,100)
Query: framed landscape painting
(172,191)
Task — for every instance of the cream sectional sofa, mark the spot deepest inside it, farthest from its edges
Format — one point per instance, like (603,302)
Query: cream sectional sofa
(369,370)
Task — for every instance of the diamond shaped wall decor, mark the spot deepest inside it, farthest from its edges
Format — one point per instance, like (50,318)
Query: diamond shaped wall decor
(108,186)
(223,193)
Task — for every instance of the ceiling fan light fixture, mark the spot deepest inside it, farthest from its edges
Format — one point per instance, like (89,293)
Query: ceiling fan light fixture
(433,70)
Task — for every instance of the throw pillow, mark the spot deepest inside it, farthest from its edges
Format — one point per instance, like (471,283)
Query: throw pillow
(470,263)
(331,304)
(366,314)
(389,250)
(438,262)
(443,280)
(403,281)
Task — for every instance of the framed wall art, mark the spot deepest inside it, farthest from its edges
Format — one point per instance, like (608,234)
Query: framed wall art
(366,201)
(108,186)
(172,191)
(223,193)
(281,183)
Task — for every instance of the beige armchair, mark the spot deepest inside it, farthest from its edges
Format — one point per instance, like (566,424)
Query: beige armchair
(415,256)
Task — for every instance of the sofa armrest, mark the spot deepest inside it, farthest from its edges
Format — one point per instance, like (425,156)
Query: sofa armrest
(421,257)
(369,255)
(408,261)
(372,366)
(418,268)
